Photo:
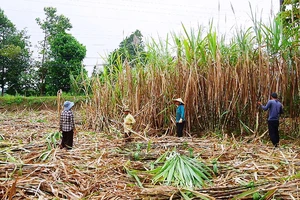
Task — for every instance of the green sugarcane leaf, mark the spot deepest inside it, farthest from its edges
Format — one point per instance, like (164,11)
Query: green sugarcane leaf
(185,175)
(195,177)
(164,171)
(247,129)
(197,171)
(186,197)
(200,195)
(163,158)
(154,171)
(245,194)
(181,170)
(10,158)
(44,156)
(192,180)
(269,194)
(171,171)
(133,174)
(203,168)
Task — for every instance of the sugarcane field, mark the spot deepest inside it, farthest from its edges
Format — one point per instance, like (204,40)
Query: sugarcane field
(209,110)
(102,166)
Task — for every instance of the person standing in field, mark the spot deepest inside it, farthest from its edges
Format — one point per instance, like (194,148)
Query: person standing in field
(180,119)
(129,121)
(275,109)
(67,125)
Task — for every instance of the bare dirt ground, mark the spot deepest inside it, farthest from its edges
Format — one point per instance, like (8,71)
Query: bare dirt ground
(32,167)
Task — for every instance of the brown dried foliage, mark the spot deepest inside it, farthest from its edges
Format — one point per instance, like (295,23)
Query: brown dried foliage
(94,169)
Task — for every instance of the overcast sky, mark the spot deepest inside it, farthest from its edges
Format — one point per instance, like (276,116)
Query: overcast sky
(101,25)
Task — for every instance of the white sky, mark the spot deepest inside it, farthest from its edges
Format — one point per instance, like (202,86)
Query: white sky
(101,25)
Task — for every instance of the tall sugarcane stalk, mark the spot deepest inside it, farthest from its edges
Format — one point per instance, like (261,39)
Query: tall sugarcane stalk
(220,80)
(59,93)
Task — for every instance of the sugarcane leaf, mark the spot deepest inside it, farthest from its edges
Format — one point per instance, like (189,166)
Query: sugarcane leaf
(245,194)
(171,171)
(164,171)
(195,175)
(185,175)
(186,197)
(200,195)
(181,170)
(133,173)
(248,130)
(269,194)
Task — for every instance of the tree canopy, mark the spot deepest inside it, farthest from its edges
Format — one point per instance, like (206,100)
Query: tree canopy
(62,54)
(68,54)
(131,49)
(15,57)
(290,16)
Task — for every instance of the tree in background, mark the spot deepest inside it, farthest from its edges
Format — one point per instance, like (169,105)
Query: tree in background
(131,49)
(15,58)
(67,54)
(62,54)
(290,16)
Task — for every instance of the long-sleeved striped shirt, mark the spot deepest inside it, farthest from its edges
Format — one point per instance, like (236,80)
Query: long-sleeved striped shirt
(66,121)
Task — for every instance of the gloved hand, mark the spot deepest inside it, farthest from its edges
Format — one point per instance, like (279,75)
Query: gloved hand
(180,121)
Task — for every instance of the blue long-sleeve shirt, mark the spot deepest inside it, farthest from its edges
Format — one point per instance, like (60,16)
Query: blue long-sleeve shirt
(275,109)
(180,113)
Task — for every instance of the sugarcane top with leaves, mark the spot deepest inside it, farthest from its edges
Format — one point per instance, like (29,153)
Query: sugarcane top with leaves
(129,121)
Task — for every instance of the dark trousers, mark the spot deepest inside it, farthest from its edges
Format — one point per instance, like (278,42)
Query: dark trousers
(127,136)
(273,131)
(67,139)
(179,129)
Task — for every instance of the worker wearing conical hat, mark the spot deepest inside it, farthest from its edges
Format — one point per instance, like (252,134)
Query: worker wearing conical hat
(180,119)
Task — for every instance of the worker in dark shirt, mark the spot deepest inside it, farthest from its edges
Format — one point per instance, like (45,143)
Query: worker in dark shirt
(275,109)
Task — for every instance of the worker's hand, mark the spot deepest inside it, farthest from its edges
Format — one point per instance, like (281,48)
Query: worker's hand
(259,103)
(75,132)
(180,121)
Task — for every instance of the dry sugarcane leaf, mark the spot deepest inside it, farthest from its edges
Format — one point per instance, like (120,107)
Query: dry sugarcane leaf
(12,190)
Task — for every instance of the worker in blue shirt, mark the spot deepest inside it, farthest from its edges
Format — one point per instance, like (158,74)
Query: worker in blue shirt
(180,119)
(275,109)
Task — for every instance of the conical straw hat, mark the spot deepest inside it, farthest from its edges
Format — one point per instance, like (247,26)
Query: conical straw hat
(179,100)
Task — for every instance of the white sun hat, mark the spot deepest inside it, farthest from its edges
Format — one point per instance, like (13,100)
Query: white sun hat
(179,100)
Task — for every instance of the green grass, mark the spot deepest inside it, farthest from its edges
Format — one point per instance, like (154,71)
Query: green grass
(10,102)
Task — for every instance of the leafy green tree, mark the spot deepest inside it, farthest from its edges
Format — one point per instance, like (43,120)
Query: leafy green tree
(68,54)
(15,57)
(21,74)
(62,54)
(52,24)
(290,16)
(131,49)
